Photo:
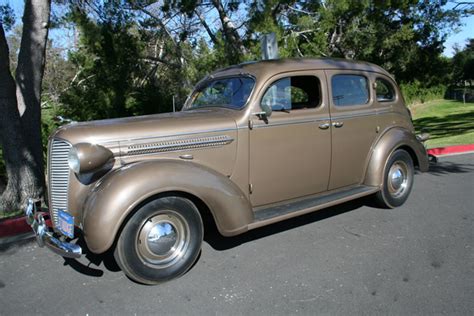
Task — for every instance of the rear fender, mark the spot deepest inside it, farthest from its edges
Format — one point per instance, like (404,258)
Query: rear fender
(390,141)
(118,194)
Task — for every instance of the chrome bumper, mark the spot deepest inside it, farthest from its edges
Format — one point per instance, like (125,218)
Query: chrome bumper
(45,237)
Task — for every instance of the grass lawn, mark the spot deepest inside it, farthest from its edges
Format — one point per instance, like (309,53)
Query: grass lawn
(10,214)
(448,122)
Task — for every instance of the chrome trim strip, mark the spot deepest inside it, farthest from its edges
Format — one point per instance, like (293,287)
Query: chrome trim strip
(165,136)
(349,116)
(384,111)
(292,122)
(178,144)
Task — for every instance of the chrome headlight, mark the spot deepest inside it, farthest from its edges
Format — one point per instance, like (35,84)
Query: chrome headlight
(73,160)
(85,158)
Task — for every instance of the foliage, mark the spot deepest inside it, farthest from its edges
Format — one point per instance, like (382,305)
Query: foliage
(448,122)
(415,92)
(7,16)
(463,65)
(401,36)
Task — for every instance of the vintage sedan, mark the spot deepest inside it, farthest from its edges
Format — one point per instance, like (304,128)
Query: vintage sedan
(254,144)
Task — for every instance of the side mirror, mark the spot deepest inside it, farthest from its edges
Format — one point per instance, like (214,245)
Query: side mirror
(265,114)
(267,109)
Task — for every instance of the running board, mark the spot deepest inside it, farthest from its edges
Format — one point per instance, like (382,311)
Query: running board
(276,213)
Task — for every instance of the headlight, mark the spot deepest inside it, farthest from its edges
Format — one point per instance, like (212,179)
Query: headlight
(87,158)
(74,161)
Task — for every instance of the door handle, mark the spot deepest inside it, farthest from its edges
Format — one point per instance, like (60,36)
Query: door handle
(324,126)
(337,124)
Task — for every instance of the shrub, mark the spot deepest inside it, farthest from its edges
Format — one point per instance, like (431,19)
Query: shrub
(415,92)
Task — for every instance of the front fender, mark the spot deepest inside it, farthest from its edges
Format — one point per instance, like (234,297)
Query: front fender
(391,140)
(118,194)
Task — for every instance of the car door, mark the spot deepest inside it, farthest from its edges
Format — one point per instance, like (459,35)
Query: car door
(353,126)
(290,153)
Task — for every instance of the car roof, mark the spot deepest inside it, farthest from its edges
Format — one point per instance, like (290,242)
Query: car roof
(275,66)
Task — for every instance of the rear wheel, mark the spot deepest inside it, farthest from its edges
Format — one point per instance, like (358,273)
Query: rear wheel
(161,241)
(398,180)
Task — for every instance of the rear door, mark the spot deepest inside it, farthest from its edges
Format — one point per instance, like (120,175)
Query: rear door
(353,125)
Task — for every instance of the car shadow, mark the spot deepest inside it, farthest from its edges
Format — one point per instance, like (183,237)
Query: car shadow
(93,265)
(220,243)
(106,258)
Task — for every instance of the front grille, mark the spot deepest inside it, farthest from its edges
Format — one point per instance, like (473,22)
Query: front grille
(58,177)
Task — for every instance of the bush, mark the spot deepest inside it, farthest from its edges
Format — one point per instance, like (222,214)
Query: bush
(415,92)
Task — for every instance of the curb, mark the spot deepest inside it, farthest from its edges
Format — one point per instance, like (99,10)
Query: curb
(16,228)
(451,150)
(13,229)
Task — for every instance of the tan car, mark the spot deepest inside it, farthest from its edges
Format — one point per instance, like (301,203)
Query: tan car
(254,144)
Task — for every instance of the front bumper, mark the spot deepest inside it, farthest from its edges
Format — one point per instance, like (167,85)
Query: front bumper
(46,237)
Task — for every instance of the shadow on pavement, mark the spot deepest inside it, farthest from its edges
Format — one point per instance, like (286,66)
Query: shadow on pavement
(447,167)
(219,242)
(12,247)
(213,238)
(106,258)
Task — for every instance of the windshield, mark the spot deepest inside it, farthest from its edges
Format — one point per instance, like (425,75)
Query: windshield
(226,92)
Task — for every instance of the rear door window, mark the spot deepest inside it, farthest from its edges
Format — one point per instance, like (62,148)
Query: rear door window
(384,90)
(350,90)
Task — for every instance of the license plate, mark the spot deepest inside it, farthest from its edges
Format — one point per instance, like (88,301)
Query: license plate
(66,223)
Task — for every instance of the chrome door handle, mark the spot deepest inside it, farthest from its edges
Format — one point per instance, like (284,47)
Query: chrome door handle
(337,124)
(324,126)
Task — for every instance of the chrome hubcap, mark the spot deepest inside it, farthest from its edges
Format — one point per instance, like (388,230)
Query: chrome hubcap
(163,239)
(398,178)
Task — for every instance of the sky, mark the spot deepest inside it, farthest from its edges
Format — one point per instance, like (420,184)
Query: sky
(466,31)
(455,38)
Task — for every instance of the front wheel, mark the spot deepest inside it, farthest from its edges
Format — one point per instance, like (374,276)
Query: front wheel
(161,241)
(397,181)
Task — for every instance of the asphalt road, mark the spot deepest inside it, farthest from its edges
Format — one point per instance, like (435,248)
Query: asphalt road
(350,259)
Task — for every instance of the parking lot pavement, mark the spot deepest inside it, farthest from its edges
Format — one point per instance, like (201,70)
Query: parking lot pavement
(350,259)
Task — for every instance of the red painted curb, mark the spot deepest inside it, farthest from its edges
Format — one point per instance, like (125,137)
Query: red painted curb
(16,226)
(449,150)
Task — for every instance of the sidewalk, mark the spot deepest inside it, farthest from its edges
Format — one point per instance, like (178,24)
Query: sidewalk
(14,229)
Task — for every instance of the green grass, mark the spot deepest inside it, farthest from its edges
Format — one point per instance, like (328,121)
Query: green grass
(10,214)
(448,122)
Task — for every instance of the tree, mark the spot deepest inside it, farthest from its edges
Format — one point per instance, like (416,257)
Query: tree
(463,65)
(20,105)
(401,36)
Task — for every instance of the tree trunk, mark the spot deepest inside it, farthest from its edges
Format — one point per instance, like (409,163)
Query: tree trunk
(20,105)
(232,37)
(29,73)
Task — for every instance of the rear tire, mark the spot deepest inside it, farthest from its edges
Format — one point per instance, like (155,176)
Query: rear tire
(161,241)
(397,180)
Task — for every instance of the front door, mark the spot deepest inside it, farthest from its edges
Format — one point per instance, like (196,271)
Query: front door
(353,126)
(290,154)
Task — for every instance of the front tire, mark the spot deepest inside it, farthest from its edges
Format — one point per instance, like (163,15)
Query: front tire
(397,181)
(161,241)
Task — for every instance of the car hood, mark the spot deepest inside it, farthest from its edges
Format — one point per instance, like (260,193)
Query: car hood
(150,126)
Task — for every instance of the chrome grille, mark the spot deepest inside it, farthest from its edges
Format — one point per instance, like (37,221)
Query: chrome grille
(58,177)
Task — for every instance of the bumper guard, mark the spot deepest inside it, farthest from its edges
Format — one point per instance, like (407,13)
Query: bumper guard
(45,237)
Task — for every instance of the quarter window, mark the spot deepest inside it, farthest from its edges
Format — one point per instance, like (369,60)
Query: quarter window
(350,90)
(384,90)
(293,93)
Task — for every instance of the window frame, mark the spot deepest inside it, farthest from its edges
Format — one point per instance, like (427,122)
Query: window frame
(391,84)
(190,99)
(272,81)
(369,101)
